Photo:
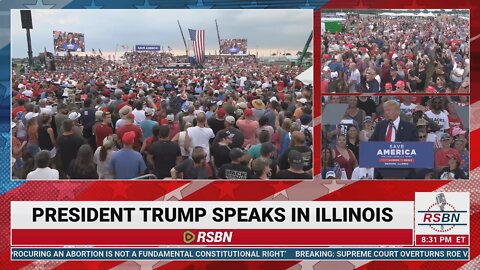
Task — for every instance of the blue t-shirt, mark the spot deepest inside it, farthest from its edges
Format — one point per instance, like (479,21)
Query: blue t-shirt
(127,164)
(147,127)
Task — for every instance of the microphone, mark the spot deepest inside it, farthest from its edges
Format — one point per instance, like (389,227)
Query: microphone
(441,201)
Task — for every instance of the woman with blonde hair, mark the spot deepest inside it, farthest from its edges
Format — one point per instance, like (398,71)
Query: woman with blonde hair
(103,155)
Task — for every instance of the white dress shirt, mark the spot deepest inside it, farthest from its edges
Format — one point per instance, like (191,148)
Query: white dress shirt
(394,131)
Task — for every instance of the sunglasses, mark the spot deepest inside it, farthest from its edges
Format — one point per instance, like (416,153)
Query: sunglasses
(422,137)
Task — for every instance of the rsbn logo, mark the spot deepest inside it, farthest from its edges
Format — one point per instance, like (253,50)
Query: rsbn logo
(441,216)
(207,237)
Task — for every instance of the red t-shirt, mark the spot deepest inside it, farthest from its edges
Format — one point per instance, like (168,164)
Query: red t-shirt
(441,159)
(101,132)
(134,128)
(174,129)
(17,110)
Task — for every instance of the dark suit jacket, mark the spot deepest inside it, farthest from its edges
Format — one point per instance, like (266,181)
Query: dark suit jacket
(406,132)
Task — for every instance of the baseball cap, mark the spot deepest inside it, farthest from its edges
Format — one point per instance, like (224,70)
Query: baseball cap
(305,119)
(236,153)
(295,159)
(302,100)
(230,119)
(12,124)
(445,136)
(149,111)
(393,69)
(128,137)
(248,112)
(367,119)
(242,105)
(131,116)
(170,118)
(125,110)
(330,174)
(30,115)
(74,115)
(454,157)
(458,131)
(430,89)
(221,112)
(400,84)
(388,86)
(226,134)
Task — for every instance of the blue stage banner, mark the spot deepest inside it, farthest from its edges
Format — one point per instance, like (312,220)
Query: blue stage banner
(396,155)
(147,48)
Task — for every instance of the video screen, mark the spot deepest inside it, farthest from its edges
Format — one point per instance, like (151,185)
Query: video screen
(233,46)
(68,41)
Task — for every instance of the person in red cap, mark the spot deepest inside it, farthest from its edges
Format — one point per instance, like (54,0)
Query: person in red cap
(431,90)
(400,85)
(388,87)
(452,171)
(248,125)
(131,127)
(127,163)
(123,103)
(217,122)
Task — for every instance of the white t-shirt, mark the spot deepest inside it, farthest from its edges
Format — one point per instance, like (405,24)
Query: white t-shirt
(103,167)
(362,173)
(407,110)
(43,174)
(441,119)
(355,77)
(242,81)
(200,137)
(139,116)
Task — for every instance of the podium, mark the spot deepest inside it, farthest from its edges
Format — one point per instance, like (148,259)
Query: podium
(396,160)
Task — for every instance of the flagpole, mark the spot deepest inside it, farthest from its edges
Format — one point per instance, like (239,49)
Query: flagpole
(115,55)
(183,37)
(218,36)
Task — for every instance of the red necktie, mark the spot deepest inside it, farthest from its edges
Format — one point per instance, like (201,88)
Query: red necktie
(388,138)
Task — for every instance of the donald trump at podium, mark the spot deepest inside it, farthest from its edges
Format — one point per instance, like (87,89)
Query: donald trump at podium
(393,129)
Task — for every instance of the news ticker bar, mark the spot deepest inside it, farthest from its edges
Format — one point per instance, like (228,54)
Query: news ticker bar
(384,254)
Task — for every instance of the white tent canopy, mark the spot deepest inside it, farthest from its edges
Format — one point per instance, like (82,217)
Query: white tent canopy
(306,77)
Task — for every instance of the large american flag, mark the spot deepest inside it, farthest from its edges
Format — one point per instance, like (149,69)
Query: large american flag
(198,43)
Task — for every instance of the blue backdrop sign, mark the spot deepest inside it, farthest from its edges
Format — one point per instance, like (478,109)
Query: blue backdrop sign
(396,155)
(147,48)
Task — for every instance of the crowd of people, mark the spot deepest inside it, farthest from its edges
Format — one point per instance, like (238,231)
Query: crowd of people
(435,118)
(99,119)
(397,54)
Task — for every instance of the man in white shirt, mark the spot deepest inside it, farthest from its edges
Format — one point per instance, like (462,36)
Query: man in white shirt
(354,78)
(139,113)
(438,116)
(43,172)
(200,135)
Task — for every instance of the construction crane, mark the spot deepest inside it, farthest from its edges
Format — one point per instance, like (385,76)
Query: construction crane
(305,48)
